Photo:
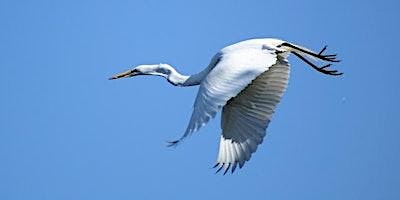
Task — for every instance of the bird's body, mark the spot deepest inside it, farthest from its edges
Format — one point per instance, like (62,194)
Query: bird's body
(246,80)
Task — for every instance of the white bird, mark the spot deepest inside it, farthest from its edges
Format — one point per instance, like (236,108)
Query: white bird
(246,80)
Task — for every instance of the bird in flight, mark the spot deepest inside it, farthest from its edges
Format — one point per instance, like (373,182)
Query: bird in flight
(246,80)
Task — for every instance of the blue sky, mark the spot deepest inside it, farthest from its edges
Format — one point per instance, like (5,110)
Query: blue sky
(66,132)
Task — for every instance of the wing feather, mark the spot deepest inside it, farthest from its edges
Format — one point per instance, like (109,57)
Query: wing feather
(246,116)
(232,73)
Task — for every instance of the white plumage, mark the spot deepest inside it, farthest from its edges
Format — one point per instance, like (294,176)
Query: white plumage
(246,80)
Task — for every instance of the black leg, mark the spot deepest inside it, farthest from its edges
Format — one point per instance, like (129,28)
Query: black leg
(320,69)
(329,58)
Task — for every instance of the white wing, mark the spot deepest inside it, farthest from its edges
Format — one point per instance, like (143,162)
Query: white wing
(233,72)
(246,117)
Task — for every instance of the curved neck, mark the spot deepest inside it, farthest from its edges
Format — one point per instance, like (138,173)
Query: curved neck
(178,79)
(175,78)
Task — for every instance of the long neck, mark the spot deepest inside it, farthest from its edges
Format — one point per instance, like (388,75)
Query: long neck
(177,79)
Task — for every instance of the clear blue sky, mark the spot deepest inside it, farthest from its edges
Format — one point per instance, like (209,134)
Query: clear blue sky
(66,132)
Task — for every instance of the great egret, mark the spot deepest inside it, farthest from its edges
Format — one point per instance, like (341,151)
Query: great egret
(246,80)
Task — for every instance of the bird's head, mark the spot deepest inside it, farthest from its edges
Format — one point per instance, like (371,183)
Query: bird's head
(158,70)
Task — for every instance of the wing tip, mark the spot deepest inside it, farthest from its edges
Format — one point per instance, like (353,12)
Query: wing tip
(173,143)
(227,166)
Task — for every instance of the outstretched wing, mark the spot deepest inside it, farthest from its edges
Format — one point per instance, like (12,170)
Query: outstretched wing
(232,73)
(246,116)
